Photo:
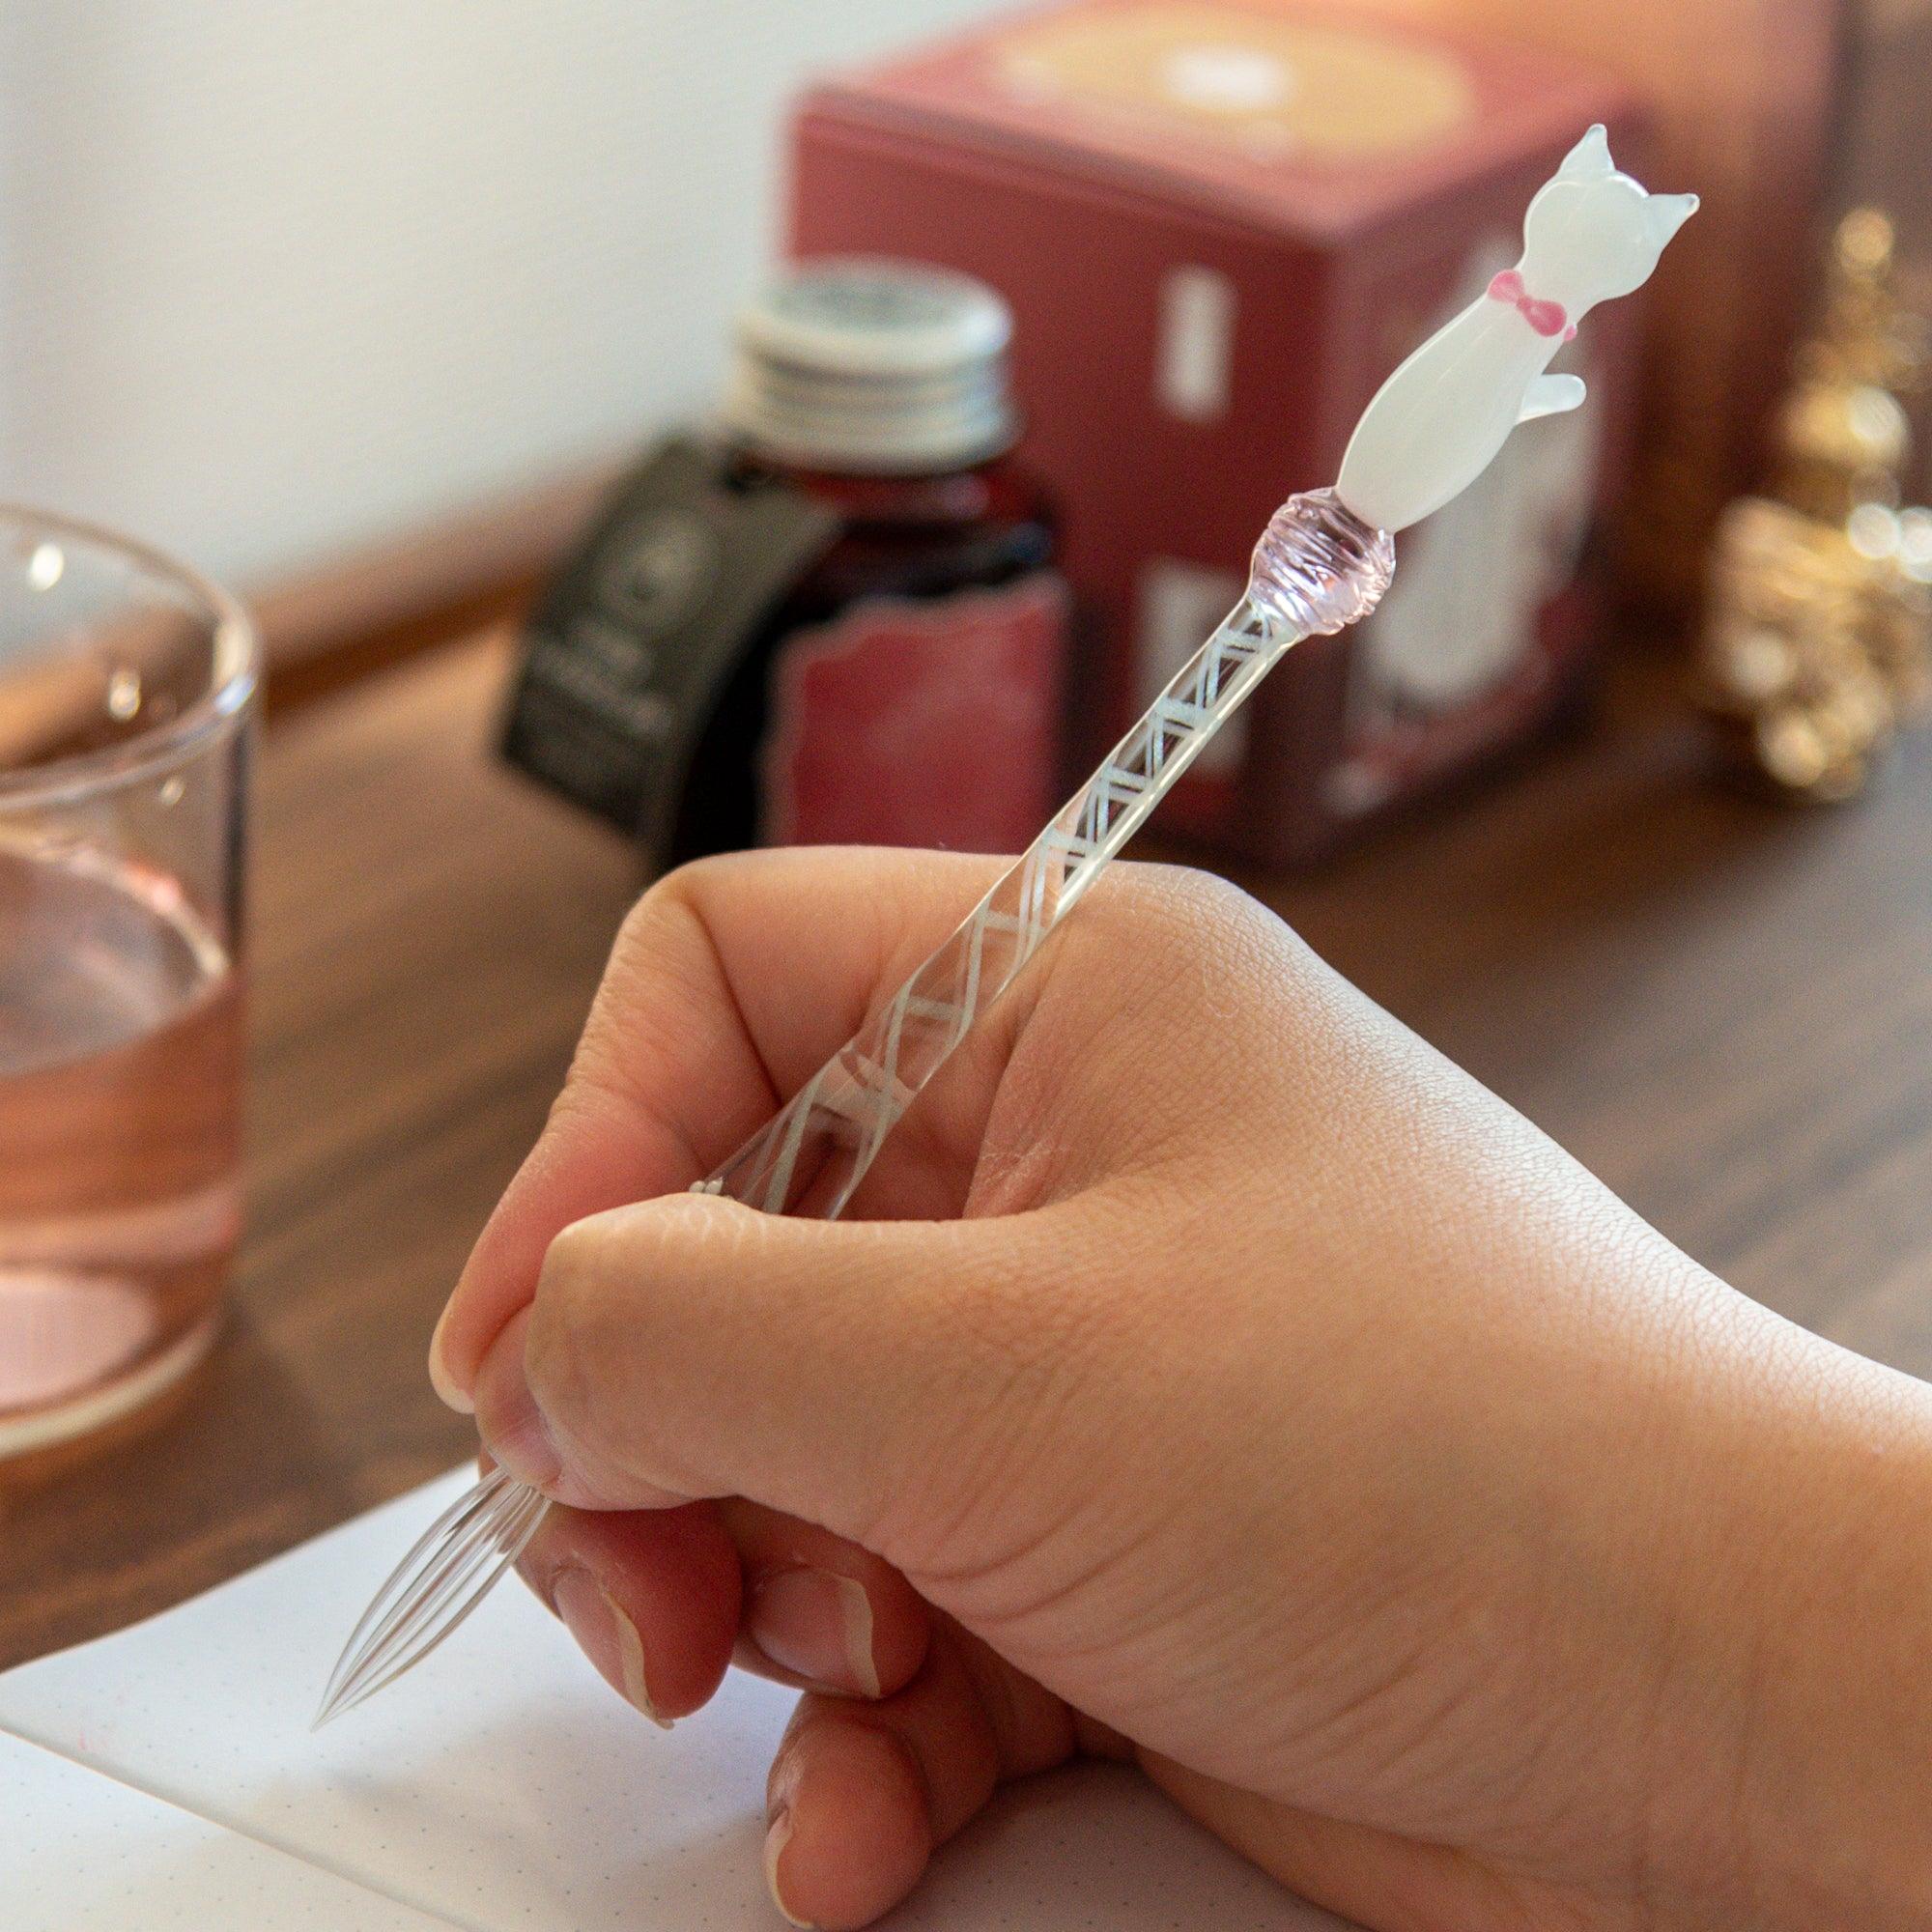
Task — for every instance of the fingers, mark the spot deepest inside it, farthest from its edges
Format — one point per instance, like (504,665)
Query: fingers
(731,983)
(859,1793)
(847,1833)
(693,1346)
(662,1600)
(819,1611)
(652,1599)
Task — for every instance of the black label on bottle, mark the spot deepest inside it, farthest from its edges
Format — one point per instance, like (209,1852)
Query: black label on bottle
(636,636)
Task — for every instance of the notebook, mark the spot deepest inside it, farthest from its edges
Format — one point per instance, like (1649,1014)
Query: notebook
(166,1777)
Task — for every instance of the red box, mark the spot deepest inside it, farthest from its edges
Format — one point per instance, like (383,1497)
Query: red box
(1219,227)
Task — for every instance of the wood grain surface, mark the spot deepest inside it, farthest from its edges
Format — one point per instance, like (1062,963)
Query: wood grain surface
(1723,1007)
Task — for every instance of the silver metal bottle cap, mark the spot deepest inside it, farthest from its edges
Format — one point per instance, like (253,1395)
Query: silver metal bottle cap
(858,363)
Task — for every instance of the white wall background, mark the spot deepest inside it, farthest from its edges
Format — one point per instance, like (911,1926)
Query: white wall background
(280,276)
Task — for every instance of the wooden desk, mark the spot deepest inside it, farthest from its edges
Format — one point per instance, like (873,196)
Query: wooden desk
(1725,1009)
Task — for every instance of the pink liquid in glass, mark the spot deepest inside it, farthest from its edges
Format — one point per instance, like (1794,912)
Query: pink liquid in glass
(120,1044)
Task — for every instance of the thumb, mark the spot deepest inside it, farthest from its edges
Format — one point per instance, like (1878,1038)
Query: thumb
(843,1372)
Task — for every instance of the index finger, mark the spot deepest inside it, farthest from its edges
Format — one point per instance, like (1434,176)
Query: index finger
(729,984)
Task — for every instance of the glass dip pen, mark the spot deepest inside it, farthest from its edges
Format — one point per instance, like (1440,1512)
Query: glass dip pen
(1323,561)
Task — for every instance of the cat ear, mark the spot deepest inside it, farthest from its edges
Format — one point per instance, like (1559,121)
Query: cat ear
(1664,214)
(1590,158)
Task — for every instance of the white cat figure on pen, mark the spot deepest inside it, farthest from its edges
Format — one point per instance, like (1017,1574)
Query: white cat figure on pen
(1438,422)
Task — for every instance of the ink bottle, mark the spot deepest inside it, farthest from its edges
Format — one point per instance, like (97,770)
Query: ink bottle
(906,687)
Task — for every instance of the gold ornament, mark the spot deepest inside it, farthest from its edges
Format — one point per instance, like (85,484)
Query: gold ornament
(1818,634)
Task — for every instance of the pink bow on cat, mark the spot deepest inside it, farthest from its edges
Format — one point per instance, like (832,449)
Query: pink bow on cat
(1546,318)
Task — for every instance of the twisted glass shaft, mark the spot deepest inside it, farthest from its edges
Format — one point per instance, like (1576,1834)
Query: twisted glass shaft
(1316,569)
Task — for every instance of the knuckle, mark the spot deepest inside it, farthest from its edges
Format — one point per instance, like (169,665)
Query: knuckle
(585,1316)
(656,932)
(1216,952)
(1194,911)
(612,1353)
(1174,966)
(1173,946)
(566,1307)
(685,887)
(662,966)
(690,893)
(574,1262)
(578,1356)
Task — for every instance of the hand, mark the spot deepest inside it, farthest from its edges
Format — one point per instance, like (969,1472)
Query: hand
(1213,1375)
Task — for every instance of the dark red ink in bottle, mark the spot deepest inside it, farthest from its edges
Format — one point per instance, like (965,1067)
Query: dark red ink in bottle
(907,690)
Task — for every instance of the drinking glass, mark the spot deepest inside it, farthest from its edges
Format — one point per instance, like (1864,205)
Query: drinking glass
(126,700)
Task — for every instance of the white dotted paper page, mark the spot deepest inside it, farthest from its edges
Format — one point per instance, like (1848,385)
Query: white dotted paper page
(502,1786)
(78,1849)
